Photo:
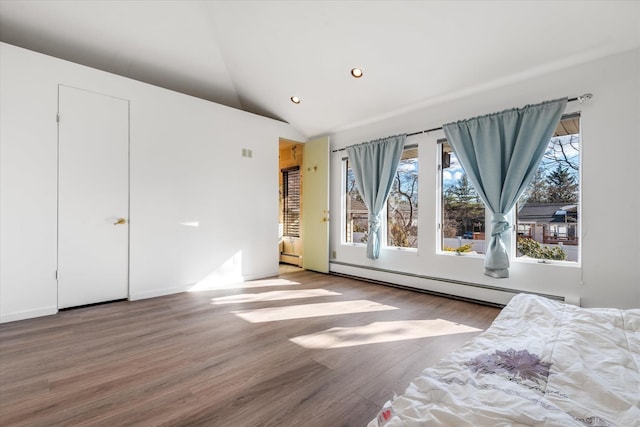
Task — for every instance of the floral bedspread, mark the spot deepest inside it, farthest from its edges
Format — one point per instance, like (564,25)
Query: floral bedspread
(541,363)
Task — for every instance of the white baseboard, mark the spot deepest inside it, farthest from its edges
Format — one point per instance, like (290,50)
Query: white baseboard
(28,314)
(258,276)
(156,293)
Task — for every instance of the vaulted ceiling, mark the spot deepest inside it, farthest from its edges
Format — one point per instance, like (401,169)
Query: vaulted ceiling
(256,55)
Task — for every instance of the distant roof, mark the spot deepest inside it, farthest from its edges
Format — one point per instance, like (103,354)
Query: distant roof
(547,212)
(358,206)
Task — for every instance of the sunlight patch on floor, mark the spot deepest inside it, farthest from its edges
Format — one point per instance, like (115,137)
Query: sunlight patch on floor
(303,311)
(380,332)
(273,296)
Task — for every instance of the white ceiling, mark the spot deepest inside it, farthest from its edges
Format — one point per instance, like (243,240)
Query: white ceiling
(254,55)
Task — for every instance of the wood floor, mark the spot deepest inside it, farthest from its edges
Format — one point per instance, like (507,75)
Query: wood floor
(301,349)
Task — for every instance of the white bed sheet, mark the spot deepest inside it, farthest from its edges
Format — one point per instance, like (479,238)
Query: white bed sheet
(541,363)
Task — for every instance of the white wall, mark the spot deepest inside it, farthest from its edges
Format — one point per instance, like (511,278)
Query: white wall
(609,275)
(186,166)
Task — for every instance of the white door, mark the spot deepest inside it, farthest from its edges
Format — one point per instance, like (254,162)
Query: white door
(315,205)
(93,197)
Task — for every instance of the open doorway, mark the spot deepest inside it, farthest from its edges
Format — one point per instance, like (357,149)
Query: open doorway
(290,202)
(304,204)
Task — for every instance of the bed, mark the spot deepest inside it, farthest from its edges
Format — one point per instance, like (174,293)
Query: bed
(540,363)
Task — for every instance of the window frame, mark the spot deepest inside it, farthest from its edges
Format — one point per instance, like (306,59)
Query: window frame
(440,193)
(511,239)
(385,212)
(384,226)
(513,218)
(344,222)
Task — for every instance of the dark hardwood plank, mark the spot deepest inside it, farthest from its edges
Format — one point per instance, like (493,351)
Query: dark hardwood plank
(190,359)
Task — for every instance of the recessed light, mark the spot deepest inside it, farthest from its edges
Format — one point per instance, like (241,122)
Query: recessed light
(295,100)
(356,72)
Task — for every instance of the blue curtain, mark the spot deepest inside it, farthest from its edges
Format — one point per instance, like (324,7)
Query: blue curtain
(500,154)
(374,166)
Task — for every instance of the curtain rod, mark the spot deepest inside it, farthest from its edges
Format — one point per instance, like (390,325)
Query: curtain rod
(580,99)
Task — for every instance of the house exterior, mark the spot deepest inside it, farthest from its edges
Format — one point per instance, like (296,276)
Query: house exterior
(549,223)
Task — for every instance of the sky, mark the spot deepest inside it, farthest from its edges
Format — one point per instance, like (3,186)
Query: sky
(454,172)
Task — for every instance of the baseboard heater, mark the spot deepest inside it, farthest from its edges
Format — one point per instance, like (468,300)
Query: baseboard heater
(439,279)
(291,259)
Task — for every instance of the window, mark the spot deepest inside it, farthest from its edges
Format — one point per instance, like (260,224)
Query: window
(402,205)
(291,202)
(462,218)
(547,214)
(357,222)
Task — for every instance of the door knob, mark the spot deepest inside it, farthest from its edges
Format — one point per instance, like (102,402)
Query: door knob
(120,221)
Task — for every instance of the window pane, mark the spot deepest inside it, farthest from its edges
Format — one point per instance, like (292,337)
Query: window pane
(291,202)
(548,220)
(356,212)
(463,213)
(402,205)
